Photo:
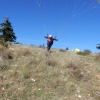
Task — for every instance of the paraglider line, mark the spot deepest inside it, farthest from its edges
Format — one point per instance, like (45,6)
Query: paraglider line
(37,2)
(78,10)
(59,33)
(86,10)
(74,6)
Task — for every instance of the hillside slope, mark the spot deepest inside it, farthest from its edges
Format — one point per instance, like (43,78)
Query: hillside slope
(32,73)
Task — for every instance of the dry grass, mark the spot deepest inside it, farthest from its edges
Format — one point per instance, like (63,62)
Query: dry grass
(35,74)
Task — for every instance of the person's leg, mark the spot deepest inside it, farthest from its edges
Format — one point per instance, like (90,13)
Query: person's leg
(48,46)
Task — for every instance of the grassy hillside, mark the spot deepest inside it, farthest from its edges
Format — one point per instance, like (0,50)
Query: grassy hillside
(32,73)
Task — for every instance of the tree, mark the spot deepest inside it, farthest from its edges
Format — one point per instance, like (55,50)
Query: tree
(98,46)
(98,1)
(7,32)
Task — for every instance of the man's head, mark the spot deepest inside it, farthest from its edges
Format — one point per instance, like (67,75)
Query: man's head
(50,36)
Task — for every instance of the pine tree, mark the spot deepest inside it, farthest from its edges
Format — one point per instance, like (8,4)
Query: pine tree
(7,32)
(98,46)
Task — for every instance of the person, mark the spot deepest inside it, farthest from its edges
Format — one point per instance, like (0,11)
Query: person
(50,41)
(67,48)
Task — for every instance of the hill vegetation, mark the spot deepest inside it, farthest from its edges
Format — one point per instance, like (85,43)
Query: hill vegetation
(32,73)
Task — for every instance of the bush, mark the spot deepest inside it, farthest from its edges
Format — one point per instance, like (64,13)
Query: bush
(62,50)
(87,51)
(5,53)
(84,53)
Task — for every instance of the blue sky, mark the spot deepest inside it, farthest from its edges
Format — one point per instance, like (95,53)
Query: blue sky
(76,23)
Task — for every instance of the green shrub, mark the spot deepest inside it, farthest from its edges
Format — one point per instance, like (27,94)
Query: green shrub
(84,53)
(87,51)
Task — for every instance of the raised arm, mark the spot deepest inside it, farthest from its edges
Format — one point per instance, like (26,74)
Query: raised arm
(46,36)
(55,39)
